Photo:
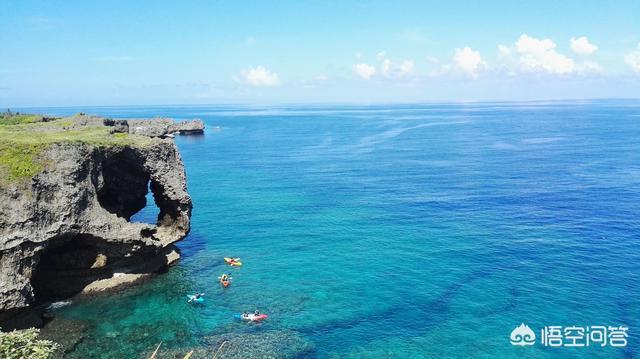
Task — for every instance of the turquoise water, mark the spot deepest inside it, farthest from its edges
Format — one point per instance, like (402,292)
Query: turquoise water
(397,231)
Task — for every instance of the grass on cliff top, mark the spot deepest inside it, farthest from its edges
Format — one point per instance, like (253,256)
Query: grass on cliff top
(23,138)
(7,118)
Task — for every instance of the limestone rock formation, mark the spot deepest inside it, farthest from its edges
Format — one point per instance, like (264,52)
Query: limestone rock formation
(161,127)
(187,127)
(67,229)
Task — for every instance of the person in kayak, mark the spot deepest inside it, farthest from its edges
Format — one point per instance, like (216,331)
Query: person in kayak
(225,277)
(256,313)
(196,296)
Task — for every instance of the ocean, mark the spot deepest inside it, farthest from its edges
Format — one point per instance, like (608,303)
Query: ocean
(396,231)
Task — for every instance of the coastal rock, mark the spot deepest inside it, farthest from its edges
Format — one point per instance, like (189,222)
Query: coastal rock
(266,344)
(187,127)
(66,332)
(161,127)
(260,344)
(158,127)
(67,230)
(118,126)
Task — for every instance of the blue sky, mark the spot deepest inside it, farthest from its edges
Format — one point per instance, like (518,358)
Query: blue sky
(209,52)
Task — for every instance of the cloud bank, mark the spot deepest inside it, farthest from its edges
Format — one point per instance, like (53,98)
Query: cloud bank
(633,59)
(365,71)
(468,61)
(582,46)
(259,76)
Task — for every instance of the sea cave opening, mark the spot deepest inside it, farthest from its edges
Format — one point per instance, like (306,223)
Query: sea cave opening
(68,264)
(126,189)
(150,212)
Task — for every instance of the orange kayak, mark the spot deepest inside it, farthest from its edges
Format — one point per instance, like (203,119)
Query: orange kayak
(225,280)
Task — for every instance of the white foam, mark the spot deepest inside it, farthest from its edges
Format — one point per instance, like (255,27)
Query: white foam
(56,305)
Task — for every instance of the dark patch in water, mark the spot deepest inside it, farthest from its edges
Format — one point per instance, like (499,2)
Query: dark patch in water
(192,244)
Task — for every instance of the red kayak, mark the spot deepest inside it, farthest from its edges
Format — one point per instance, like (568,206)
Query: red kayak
(253,318)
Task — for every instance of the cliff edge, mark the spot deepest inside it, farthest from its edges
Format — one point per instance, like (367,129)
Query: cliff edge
(68,189)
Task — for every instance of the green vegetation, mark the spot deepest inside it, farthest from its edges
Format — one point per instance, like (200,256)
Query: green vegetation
(22,344)
(20,160)
(8,118)
(120,135)
(24,137)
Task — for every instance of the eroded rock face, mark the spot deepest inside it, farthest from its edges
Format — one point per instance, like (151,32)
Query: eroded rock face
(161,127)
(187,127)
(68,231)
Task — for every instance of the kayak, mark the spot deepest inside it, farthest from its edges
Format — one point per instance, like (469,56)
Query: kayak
(252,317)
(193,299)
(225,280)
(234,262)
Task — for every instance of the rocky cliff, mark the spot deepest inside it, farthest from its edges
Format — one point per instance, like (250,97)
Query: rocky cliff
(161,127)
(68,189)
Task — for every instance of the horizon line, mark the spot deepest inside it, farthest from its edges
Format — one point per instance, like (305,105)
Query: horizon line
(332,103)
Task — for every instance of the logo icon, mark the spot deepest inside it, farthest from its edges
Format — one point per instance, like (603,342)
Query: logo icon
(523,335)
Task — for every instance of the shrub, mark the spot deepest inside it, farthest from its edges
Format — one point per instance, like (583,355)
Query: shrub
(24,344)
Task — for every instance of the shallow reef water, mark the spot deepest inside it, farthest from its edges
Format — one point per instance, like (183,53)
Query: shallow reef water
(405,231)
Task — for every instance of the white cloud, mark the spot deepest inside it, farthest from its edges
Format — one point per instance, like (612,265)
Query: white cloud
(504,50)
(468,61)
(381,55)
(633,59)
(390,69)
(531,54)
(259,76)
(582,46)
(406,67)
(365,71)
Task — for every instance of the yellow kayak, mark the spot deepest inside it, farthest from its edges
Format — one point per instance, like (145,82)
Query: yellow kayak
(234,262)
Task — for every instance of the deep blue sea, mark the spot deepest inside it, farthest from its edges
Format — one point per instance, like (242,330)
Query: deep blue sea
(396,231)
